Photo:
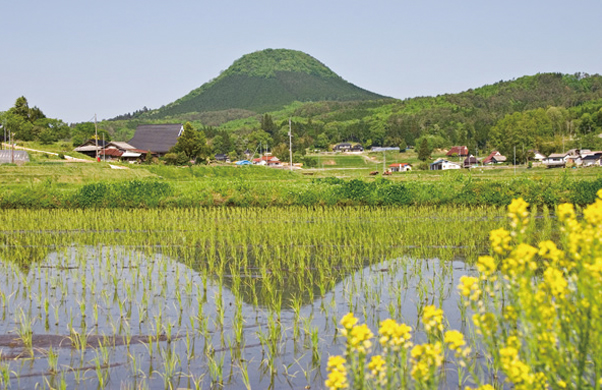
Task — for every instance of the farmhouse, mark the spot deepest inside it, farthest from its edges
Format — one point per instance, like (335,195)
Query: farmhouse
(470,161)
(592,160)
(89,148)
(221,157)
(461,151)
(400,167)
(443,165)
(556,160)
(347,147)
(266,160)
(535,155)
(494,157)
(157,139)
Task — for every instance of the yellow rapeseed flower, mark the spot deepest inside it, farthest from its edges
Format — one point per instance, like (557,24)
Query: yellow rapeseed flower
(348,321)
(336,380)
(469,288)
(500,240)
(394,335)
(555,282)
(377,369)
(432,318)
(517,211)
(359,338)
(425,359)
(486,266)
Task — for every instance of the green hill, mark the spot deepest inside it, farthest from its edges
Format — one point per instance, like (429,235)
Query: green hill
(266,81)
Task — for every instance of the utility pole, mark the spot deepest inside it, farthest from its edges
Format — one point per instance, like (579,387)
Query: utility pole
(12,152)
(514,160)
(96,136)
(290,143)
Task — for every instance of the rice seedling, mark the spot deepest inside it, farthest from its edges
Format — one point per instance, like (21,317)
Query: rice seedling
(252,281)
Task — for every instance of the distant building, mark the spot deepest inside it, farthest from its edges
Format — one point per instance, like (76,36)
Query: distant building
(347,147)
(400,167)
(157,139)
(556,160)
(221,157)
(535,155)
(494,157)
(443,165)
(91,147)
(460,151)
(470,161)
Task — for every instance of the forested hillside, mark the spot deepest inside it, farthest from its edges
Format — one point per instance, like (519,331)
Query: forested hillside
(546,111)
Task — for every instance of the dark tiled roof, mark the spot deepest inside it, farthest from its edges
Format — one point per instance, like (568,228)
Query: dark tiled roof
(156,138)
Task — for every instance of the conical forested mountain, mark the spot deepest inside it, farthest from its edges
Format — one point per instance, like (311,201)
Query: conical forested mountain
(267,80)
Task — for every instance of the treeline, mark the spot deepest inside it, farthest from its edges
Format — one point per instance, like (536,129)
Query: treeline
(241,192)
(25,123)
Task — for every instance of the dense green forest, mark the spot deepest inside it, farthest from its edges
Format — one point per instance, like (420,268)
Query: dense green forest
(249,105)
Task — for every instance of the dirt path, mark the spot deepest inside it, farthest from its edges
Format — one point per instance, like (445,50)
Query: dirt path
(69,158)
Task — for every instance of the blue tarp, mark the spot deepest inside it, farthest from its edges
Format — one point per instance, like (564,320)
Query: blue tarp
(244,162)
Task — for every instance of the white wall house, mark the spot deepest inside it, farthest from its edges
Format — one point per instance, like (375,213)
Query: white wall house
(443,165)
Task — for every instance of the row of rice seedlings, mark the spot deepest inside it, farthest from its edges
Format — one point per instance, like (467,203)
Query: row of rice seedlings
(112,273)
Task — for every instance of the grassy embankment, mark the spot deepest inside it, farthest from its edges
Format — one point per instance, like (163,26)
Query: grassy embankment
(71,185)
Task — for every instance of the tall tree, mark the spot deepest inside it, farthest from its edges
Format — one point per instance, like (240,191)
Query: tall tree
(192,144)
(424,151)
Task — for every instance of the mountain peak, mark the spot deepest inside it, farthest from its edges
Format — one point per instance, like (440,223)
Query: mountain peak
(264,81)
(265,63)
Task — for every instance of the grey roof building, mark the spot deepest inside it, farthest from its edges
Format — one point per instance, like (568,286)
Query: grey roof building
(157,139)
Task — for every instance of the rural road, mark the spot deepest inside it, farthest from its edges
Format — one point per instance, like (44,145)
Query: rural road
(69,158)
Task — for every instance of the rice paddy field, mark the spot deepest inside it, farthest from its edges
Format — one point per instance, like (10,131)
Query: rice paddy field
(226,298)
(217,277)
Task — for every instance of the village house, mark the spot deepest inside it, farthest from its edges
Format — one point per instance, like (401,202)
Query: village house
(347,147)
(221,157)
(556,160)
(266,160)
(460,151)
(121,151)
(158,139)
(91,147)
(443,165)
(470,161)
(592,160)
(494,157)
(400,167)
(534,155)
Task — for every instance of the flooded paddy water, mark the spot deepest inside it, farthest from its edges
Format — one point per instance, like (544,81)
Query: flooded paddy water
(221,298)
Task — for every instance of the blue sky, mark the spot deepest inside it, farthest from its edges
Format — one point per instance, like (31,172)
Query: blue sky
(73,59)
